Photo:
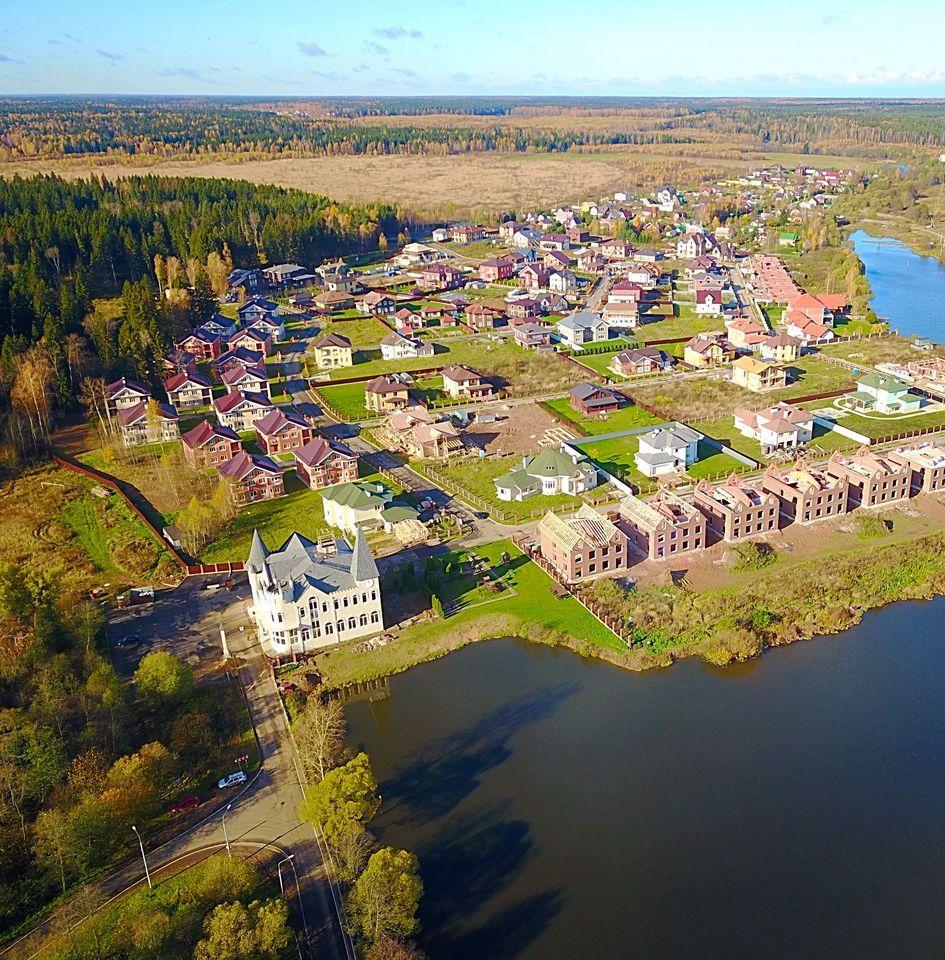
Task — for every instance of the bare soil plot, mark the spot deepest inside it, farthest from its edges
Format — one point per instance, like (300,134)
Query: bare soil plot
(517,431)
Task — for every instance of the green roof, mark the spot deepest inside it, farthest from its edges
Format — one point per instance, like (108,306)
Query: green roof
(397,512)
(550,463)
(879,381)
(787,235)
(357,496)
(515,478)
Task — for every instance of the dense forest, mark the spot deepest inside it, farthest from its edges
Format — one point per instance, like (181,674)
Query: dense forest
(164,245)
(174,127)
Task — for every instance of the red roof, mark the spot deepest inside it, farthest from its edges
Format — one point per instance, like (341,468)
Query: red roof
(208,431)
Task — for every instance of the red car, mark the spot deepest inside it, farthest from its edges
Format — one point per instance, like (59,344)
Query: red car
(185,804)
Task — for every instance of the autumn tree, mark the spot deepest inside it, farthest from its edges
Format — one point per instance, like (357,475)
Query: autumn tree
(384,900)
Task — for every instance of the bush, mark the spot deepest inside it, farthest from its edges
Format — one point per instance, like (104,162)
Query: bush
(869,528)
(755,556)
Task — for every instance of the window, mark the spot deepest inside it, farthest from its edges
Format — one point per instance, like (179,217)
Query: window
(374,617)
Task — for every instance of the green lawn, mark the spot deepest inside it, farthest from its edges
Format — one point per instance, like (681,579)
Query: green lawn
(477,477)
(527,607)
(878,426)
(348,398)
(600,361)
(627,418)
(361,331)
(684,323)
(811,375)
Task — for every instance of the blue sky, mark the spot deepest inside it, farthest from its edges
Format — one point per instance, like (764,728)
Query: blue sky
(595,47)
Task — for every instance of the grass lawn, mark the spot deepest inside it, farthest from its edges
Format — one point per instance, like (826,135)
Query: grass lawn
(627,418)
(477,477)
(361,331)
(300,510)
(526,607)
(809,375)
(600,361)
(684,323)
(347,399)
(878,426)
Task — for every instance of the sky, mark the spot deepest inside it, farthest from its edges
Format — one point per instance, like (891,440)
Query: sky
(555,48)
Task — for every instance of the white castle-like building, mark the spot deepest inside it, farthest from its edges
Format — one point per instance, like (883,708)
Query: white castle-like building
(308,595)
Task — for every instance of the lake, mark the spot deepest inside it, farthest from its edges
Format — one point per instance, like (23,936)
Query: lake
(909,290)
(791,808)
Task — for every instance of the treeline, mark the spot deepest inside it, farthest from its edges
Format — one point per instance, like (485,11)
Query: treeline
(382,884)
(164,245)
(80,760)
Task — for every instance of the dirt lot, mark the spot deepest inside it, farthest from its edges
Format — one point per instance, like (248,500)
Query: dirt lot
(517,431)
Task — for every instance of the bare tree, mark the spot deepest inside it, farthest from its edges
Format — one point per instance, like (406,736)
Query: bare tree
(319,736)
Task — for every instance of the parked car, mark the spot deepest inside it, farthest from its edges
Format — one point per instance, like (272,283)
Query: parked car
(129,640)
(185,804)
(232,780)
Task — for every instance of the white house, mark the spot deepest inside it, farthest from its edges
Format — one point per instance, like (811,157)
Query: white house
(308,595)
(547,473)
(667,449)
(782,426)
(586,326)
(395,346)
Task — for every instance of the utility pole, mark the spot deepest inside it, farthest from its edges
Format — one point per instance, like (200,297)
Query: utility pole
(291,856)
(147,872)
(226,839)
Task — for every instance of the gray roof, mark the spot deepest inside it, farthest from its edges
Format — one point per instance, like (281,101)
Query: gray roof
(580,320)
(663,438)
(298,565)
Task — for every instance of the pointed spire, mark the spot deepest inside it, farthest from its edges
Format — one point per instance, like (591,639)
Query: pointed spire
(363,566)
(258,554)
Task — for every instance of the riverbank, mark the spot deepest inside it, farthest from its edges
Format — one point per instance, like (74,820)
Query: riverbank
(921,240)
(744,612)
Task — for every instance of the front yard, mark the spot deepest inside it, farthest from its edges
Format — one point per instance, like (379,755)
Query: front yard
(627,418)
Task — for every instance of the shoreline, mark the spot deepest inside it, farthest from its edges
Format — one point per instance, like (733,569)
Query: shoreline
(914,570)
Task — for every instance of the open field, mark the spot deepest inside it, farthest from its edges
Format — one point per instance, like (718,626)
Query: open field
(51,523)
(877,426)
(880,350)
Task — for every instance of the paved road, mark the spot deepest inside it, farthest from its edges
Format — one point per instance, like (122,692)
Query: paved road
(263,817)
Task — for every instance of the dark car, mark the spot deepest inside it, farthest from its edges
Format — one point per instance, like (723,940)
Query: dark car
(129,640)
(185,804)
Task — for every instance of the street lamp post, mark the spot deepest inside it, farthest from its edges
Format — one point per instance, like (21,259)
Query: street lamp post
(226,839)
(147,872)
(291,856)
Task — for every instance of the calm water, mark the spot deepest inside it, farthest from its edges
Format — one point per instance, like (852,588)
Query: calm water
(790,808)
(908,289)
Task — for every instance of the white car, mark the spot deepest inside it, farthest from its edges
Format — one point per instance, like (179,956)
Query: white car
(232,780)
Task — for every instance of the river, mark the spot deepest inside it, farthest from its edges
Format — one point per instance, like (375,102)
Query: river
(792,808)
(908,290)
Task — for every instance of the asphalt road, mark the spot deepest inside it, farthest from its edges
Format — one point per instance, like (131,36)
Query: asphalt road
(262,820)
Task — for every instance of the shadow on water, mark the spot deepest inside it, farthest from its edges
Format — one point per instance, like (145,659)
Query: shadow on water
(479,854)
(443,772)
(505,934)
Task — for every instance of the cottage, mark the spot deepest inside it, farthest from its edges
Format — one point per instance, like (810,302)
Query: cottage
(781,427)
(124,394)
(440,276)
(148,422)
(330,300)
(247,282)
(708,350)
(548,472)
(332,351)
(377,304)
(287,275)
(879,393)
(708,300)
(395,346)
(625,292)
(532,336)
(219,326)
(406,321)
(178,361)
(589,398)
(241,410)
(385,393)
(745,333)
(586,326)
(282,430)
(806,494)
(467,233)
(641,360)
(202,344)
(483,316)
(270,326)
(927,464)
(361,505)
(186,390)
(462,383)
(253,309)
(534,277)
(248,379)
(235,358)
(758,375)
(781,347)
(586,546)
(422,436)
(875,479)
(562,281)
(254,340)
(492,271)
(210,444)
(323,461)
(309,595)
(252,477)
(521,308)
(736,509)
(666,449)
(663,527)
(806,330)
(615,249)
(693,245)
